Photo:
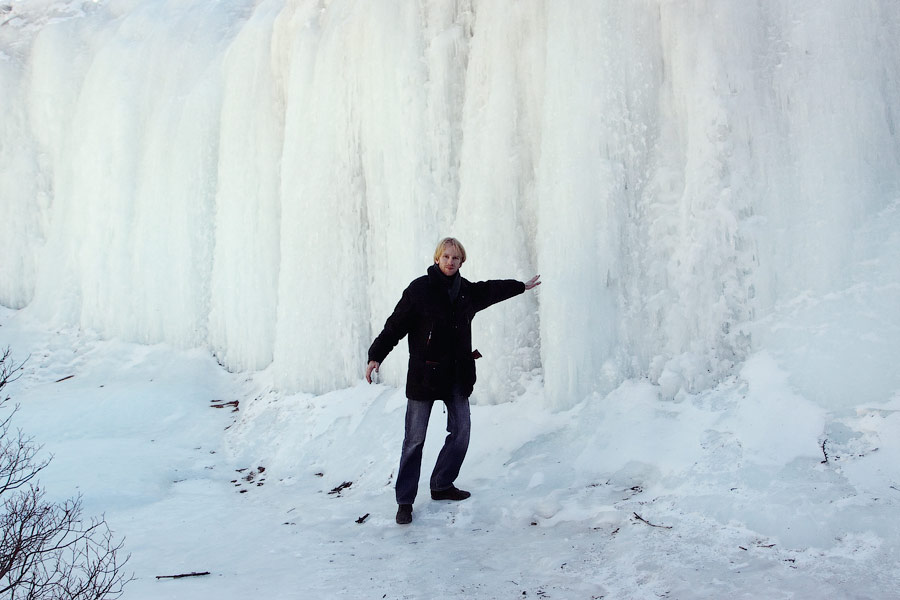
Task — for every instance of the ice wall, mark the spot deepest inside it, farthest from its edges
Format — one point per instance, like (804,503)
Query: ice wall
(264,178)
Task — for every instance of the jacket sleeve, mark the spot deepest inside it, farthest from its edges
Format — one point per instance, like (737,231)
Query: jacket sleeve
(486,293)
(396,326)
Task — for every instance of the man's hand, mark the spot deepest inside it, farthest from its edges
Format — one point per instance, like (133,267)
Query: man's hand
(533,282)
(372,366)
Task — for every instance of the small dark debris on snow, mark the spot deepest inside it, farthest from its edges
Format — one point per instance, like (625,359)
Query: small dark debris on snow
(341,488)
(64,378)
(363,518)
(319,474)
(223,403)
(254,476)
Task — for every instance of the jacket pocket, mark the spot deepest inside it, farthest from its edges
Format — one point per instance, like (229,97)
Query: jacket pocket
(435,376)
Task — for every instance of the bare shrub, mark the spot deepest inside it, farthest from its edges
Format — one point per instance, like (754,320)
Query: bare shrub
(47,550)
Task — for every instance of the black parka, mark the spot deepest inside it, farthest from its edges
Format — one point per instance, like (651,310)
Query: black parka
(436,313)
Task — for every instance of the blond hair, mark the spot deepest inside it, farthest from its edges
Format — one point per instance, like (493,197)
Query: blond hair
(449,241)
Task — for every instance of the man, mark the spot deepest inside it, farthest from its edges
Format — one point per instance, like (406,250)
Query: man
(436,312)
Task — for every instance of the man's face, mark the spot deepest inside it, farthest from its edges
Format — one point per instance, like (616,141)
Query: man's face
(450,260)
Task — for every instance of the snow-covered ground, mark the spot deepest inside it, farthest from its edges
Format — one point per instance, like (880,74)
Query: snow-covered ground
(723,494)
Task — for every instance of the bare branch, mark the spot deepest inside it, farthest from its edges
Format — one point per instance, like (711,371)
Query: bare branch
(9,370)
(47,550)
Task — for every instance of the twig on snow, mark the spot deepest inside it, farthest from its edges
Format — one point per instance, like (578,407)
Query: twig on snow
(643,520)
(341,488)
(181,575)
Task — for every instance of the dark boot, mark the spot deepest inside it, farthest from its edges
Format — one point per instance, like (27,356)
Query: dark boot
(404,514)
(451,493)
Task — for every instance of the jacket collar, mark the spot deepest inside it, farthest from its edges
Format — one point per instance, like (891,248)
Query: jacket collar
(451,284)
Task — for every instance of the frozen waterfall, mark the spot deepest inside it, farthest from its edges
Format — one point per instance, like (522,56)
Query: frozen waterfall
(263,178)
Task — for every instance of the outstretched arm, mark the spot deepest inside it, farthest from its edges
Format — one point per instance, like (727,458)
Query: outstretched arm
(533,282)
(488,293)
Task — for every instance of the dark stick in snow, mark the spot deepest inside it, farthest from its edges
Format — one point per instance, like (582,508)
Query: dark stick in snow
(179,576)
(341,487)
(643,520)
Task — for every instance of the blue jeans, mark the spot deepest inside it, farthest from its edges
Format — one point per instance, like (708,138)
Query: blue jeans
(452,455)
